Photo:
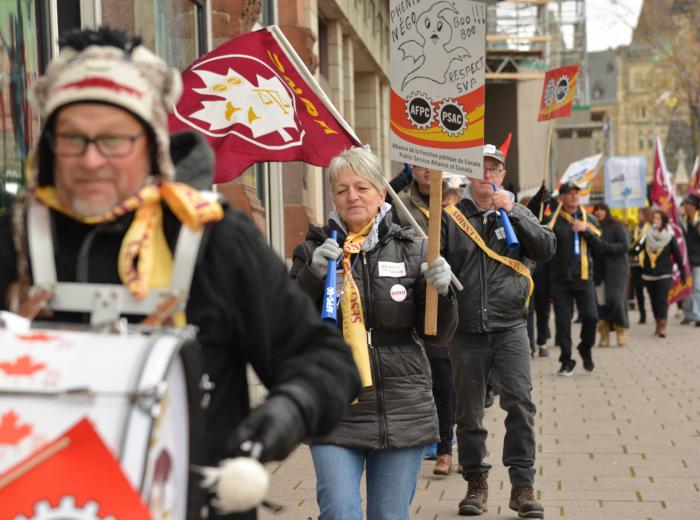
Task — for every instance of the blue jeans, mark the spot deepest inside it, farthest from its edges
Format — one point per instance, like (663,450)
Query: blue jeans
(391,481)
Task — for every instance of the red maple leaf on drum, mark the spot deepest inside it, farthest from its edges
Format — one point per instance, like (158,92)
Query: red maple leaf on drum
(36,336)
(10,430)
(22,366)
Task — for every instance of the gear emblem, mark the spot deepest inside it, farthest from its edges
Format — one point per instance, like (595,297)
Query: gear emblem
(66,510)
(420,110)
(549,92)
(562,89)
(452,118)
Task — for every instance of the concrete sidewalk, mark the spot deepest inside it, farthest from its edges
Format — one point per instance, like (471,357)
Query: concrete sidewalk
(621,443)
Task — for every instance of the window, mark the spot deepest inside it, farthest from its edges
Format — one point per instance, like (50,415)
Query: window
(173,29)
(20,61)
(323,48)
(641,140)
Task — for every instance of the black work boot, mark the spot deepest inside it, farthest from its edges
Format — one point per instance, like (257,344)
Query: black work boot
(477,494)
(523,501)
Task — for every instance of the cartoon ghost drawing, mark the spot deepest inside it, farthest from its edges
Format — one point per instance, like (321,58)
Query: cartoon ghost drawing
(432,56)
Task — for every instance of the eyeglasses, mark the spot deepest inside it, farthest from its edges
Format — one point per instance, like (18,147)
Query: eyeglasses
(492,171)
(109,146)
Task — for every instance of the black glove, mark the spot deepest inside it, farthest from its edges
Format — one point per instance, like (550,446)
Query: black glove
(542,197)
(277,424)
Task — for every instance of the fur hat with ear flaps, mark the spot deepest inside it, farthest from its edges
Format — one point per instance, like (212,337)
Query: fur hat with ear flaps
(104,66)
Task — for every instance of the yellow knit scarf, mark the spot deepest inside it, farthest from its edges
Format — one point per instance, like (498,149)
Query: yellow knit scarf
(145,260)
(354,331)
(560,212)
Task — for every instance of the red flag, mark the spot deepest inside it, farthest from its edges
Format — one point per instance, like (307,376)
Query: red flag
(506,145)
(558,92)
(255,101)
(663,195)
(694,185)
(75,476)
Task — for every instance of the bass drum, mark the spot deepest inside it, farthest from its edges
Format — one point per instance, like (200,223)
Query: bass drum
(142,392)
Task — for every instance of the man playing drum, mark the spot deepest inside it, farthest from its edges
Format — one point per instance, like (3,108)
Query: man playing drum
(103,168)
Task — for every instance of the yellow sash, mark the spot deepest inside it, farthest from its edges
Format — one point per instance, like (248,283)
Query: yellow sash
(469,230)
(560,212)
(145,260)
(638,234)
(653,255)
(420,208)
(354,331)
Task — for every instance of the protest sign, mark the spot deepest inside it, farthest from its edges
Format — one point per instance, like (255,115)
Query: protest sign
(625,182)
(437,52)
(581,173)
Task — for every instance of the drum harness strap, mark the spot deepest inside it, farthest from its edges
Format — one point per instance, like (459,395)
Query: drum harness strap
(105,302)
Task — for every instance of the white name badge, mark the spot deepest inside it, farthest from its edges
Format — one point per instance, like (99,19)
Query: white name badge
(500,233)
(392,269)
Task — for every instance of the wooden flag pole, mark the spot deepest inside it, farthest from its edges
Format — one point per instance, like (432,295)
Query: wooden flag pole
(403,211)
(546,162)
(435,210)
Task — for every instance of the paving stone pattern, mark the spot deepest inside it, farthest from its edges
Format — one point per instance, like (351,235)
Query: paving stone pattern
(622,443)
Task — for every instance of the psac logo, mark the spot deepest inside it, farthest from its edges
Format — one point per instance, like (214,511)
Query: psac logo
(450,115)
(562,89)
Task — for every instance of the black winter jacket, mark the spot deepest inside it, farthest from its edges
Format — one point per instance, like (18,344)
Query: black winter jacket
(612,268)
(692,241)
(245,307)
(664,263)
(398,411)
(494,296)
(564,266)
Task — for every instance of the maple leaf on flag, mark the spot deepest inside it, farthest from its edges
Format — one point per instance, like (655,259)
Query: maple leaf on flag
(22,366)
(255,101)
(264,109)
(11,432)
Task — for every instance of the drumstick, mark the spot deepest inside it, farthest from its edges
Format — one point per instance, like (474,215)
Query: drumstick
(34,462)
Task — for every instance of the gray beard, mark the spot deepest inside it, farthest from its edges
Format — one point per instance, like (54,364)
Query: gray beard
(90,210)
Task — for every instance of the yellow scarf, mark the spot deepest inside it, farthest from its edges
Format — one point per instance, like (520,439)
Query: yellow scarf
(469,230)
(145,260)
(354,331)
(584,244)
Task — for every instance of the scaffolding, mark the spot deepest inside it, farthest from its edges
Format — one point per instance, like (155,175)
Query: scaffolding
(527,37)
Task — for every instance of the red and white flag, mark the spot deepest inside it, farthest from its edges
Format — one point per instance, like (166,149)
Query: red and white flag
(255,101)
(663,195)
(694,184)
(75,476)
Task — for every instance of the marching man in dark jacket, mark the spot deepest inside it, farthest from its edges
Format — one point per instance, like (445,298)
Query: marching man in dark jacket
(492,333)
(104,187)
(571,276)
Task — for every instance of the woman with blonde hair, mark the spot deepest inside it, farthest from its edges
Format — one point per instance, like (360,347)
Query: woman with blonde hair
(382,301)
